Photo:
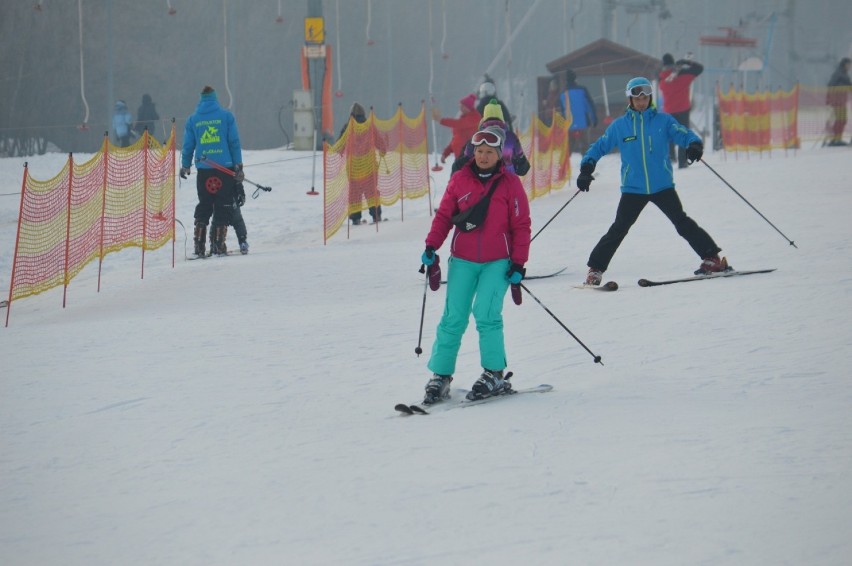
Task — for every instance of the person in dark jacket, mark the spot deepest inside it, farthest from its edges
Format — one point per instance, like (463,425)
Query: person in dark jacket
(362,169)
(146,117)
(514,158)
(838,91)
(578,100)
(484,261)
(675,80)
(487,94)
(646,176)
(211,135)
(237,220)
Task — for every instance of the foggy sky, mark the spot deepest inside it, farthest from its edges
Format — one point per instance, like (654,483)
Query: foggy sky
(132,47)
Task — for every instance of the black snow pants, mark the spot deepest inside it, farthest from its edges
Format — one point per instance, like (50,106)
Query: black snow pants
(629,208)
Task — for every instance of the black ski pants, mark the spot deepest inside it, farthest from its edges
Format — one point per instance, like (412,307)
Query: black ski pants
(683,119)
(629,208)
(215,190)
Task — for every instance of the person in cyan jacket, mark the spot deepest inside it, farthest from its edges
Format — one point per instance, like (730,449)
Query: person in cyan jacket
(211,135)
(484,261)
(642,136)
(122,120)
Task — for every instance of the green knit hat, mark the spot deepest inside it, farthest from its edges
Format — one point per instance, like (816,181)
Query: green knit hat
(492,111)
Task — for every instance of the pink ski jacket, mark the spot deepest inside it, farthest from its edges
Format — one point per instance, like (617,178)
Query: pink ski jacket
(506,230)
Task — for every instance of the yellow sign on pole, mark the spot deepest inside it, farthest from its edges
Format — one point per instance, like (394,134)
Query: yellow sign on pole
(314,31)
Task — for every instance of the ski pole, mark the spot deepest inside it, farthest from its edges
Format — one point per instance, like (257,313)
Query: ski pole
(791,242)
(224,169)
(554,216)
(580,342)
(418,350)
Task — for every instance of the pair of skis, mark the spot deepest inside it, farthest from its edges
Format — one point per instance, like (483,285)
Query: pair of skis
(460,401)
(209,256)
(613,286)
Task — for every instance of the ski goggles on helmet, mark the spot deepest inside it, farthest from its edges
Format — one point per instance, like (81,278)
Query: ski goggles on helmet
(639,90)
(485,137)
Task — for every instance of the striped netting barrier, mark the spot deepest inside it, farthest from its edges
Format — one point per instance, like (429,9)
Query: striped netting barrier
(120,198)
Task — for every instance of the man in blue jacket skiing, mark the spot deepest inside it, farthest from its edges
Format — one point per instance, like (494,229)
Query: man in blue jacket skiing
(642,135)
(211,135)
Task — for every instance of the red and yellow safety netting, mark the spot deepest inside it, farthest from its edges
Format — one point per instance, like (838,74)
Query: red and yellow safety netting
(377,162)
(122,197)
(823,113)
(548,150)
(760,121)
(380,162)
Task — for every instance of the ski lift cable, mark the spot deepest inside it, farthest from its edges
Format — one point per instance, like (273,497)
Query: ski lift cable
(508,42)
(369,20)
(82,73)
(225,25)
(435,167)
(339,50)
(444,26)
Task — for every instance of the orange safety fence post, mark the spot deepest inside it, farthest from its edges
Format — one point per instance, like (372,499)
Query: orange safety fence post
(68,228)
(105,152)
(17,242)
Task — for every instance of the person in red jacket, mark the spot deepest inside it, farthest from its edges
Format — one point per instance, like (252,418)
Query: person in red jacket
(487,255)
(675,80)
(463,127)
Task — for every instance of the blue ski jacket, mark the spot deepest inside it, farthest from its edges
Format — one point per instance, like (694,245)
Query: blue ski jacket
(579,101)
(211,132)
(643,139)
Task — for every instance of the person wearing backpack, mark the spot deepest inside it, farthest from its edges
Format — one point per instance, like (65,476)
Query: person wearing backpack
(489,209)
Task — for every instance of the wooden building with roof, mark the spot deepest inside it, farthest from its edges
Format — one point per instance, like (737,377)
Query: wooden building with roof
(603,67)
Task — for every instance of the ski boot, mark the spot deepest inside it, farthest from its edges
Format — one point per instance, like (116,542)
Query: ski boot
(713,264)
(244,247)
(218,235)
(199,238)
(490,384)
(437,389)
(594,277)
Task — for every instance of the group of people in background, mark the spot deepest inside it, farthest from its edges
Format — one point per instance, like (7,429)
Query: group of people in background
(125,129)
(485,204)
(487,209)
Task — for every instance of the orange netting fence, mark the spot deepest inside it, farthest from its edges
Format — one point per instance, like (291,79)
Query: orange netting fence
(549,153)
(122,197)
(377,162)
(380,162)
(820,108)
(782,119)
(760,121)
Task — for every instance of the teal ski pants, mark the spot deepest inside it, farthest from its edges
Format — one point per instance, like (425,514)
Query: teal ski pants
(479,288)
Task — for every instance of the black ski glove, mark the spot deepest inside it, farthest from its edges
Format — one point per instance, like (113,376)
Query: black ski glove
(184,172)
(694,152)
(241,194)
(239,176)
(585,179)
